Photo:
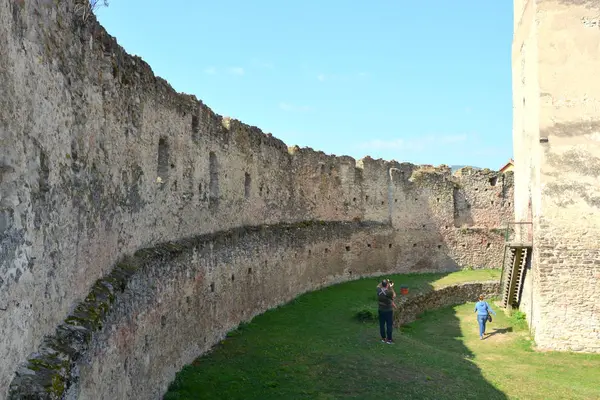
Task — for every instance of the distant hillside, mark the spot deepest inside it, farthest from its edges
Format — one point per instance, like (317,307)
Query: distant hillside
(455,168)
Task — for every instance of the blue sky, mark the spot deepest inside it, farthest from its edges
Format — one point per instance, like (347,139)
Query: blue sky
(425,81)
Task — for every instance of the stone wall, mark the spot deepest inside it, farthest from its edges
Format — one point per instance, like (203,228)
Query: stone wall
(560,145)
(101,158)
(179,299)
(411,306)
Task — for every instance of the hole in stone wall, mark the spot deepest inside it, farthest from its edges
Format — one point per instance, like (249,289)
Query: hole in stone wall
(476,189)
(249,271)
(295,255)
(509,203)
(439,246)
(347,248)
(492,202)
(247,183)
(438,199)
(199,188)
(163,321)
(416,199)
(390,246)
(214,177)
(354,199)
(395,200)
(462,207)
(232,277)
(162,169)
(366,197)
(265,263)
(383,202)
(464,245)
(195,126)
(309,252)
(414,245)
(172,165)
(350,271)
(369,245)
(212,287)
(326,250)
(446,226)
(423,226)
(487,246)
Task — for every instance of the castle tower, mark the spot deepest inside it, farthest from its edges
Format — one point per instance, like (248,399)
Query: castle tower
(556,132)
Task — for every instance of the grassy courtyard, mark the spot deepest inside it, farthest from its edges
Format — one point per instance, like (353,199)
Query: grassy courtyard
(314,348)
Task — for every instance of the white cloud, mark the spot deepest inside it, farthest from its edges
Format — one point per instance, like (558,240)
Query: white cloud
(291,107)
(236,70)
(210,70)
(262,64)
(415,143)
(342,77)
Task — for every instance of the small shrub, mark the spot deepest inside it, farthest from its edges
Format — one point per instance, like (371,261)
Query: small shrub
(366,314)
(519,315)
(519,319)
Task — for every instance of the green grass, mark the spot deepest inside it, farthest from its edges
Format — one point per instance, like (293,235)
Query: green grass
(315,348)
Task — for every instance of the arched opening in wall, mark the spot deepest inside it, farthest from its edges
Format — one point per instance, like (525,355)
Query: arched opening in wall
(493,180)
(247,183)
(162,169)
(214,178)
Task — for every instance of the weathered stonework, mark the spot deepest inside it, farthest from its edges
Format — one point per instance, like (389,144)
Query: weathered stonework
(162,307)
(411,306)
(556,56)
(101,158)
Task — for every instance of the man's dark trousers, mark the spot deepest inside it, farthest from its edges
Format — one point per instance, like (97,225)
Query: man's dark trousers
(385,317)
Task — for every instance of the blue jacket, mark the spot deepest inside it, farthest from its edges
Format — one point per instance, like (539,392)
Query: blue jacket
(482,308)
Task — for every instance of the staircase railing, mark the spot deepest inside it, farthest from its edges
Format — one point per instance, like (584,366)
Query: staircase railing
(519,232)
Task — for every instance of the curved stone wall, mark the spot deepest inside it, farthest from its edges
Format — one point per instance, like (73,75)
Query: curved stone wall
(409,307)
(101,158)
(164,306)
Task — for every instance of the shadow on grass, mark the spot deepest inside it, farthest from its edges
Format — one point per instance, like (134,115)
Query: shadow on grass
(497,331)
(314,348)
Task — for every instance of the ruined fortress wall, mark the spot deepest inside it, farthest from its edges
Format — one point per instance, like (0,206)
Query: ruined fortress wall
(100,158)
(563,291)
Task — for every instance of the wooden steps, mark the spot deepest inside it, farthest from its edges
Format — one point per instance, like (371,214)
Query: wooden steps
(518,255)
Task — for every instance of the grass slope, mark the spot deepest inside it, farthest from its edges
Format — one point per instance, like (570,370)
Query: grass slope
(314,348)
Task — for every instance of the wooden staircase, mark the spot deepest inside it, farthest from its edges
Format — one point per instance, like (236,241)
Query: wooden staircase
(514,273)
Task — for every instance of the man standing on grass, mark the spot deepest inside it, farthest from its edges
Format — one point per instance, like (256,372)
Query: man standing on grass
(385,297)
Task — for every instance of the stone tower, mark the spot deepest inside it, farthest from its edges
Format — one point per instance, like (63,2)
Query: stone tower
(556,131)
